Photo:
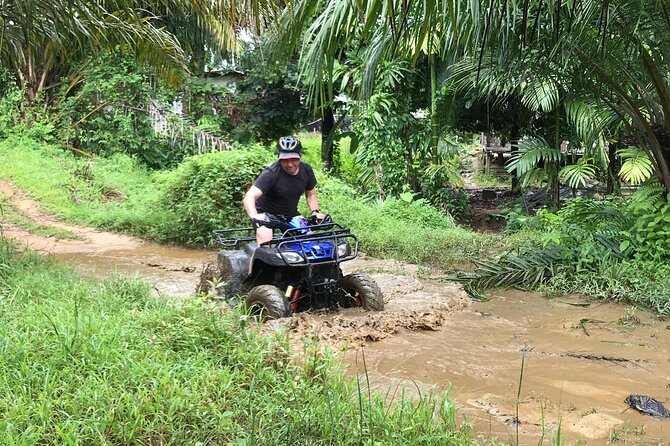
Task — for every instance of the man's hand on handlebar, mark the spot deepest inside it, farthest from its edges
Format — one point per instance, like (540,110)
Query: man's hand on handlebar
(258,220)
(318,218)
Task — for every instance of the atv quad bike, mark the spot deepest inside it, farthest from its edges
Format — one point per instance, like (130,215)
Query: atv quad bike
(298,270)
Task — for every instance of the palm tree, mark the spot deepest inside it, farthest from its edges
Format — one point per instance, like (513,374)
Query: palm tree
(378,31)
(40,41)
(615,53)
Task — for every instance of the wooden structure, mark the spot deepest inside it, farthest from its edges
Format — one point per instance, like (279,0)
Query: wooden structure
(495,154)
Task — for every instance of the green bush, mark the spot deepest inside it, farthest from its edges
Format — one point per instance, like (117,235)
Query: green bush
(205,192)
(413,232)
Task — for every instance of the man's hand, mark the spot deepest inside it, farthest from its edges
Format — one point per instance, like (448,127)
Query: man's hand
(317,217)
(257,220)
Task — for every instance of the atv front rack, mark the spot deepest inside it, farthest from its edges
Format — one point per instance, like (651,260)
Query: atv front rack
(312,246)
(323,247)
(237,237)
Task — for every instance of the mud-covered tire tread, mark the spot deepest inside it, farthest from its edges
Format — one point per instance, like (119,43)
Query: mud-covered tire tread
(271,299)
(366,289)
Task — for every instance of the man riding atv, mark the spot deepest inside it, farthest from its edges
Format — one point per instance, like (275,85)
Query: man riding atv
(278,188)
(298,268)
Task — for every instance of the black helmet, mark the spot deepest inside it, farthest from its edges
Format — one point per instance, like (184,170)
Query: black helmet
(289,147)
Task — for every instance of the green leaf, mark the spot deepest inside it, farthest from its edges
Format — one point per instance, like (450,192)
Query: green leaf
(637,167)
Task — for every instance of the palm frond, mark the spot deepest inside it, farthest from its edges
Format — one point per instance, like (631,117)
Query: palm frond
(541,95)
(531,152)
(637,167)
(576,175)
(594,215)
(526,270)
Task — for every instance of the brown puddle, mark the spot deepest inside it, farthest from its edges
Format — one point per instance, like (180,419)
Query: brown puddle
(580,361)
(171,271)
(580,364)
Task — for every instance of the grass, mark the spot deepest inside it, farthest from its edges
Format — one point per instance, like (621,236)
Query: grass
(106,363)
(79,189)
(644,284)
(491,180)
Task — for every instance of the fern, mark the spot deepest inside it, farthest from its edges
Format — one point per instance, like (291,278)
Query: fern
(648,198)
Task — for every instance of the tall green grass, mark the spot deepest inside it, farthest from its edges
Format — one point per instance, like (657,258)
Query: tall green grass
(113,193)
(84,363)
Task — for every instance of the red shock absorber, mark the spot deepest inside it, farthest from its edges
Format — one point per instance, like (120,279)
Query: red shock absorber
(294,300)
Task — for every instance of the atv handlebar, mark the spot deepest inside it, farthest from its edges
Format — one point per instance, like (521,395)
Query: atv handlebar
(273,222)
(233,238)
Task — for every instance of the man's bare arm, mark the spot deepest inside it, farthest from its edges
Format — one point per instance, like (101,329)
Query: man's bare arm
(249,201)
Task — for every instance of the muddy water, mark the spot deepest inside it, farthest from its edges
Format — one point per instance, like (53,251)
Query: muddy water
(580,363)
(171,271)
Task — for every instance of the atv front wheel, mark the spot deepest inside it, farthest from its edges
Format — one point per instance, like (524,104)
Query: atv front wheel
(361,291)
(267,302)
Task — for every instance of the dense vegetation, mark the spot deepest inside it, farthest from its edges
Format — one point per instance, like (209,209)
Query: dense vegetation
(204,193)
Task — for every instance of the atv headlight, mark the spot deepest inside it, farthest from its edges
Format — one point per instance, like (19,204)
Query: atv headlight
(343,249)
(291,257)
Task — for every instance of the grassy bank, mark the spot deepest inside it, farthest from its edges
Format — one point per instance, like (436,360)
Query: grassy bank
(119,194)
(106,363)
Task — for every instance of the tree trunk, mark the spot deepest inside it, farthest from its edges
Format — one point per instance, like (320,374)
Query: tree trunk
(613,184)
(555,190)
(434,128)
(412,179)
(327,132)
(514,137)
(555,166)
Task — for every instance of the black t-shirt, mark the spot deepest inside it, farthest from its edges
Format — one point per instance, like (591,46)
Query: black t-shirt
(281,191)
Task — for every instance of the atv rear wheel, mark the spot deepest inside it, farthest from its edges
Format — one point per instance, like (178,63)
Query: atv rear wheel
(267,302)
(361,291)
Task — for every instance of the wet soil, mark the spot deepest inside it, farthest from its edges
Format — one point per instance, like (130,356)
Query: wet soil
(580,360)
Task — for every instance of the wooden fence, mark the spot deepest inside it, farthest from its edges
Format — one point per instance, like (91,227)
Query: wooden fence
(180,132)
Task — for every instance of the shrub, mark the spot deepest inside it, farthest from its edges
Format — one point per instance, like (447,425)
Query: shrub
(418,212)
(105,115)
(205,192)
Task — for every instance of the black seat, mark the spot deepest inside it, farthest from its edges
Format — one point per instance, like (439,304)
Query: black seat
(250,248)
